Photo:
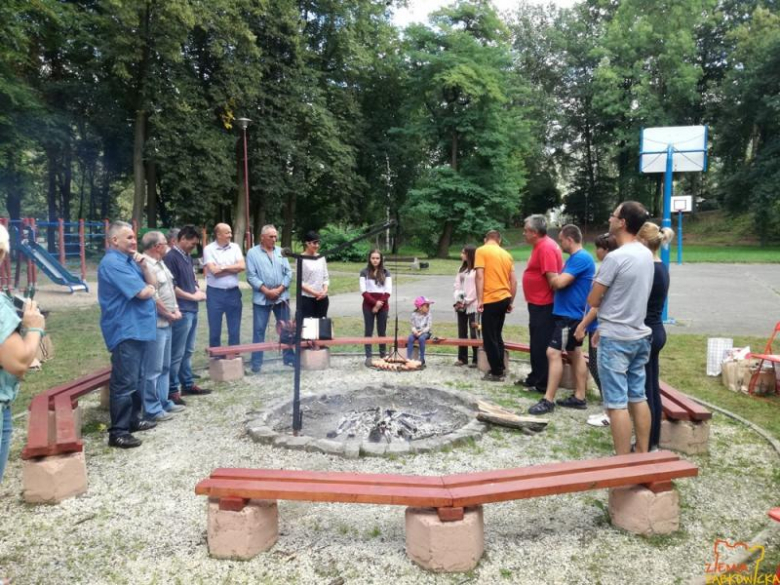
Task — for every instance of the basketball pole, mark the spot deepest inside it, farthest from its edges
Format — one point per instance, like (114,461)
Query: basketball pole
(667,222)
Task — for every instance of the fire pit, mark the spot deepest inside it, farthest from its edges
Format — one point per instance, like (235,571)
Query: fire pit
(375,420)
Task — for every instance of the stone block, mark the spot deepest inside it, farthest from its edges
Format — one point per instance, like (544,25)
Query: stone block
(352,449)
(49,480)
(484,366)
(683,436)
(638,510)
(326,446)
(105,398)
(242,534)
(77,418)
(445,547)
(226,370)
(315,359)
(373,449)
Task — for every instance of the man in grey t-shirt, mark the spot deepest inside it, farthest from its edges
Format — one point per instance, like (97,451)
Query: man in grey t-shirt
(620,292)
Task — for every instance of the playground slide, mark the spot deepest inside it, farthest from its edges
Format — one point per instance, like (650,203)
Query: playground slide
(50,266)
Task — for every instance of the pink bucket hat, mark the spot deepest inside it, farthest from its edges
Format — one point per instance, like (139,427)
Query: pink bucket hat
(420,301)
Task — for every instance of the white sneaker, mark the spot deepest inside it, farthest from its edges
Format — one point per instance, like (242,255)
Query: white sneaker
(598,420)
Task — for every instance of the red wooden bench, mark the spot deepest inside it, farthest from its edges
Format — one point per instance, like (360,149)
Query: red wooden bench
(450,495)
(45,439)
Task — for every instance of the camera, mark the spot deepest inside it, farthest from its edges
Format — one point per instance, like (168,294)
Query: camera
(20,303)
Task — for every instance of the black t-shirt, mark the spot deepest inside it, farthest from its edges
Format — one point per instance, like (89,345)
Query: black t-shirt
(183,272)
(658,294)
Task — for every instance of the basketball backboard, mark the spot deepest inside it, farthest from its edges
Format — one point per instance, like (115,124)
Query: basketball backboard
(682,203)
(689,149)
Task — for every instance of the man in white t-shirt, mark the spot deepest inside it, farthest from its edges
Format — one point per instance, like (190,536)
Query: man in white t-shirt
(223,262)
(620,292)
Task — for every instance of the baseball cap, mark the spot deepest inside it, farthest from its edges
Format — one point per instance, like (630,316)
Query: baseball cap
(420,301)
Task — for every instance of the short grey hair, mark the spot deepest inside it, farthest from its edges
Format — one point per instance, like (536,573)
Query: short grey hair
(173,234)
(536,223)
(116,227)
(5,241)
(267,228)
(151,239)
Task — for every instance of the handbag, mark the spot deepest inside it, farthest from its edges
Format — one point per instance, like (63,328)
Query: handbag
(317,328)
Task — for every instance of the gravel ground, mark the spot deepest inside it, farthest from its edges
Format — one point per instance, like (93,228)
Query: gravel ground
(141,522)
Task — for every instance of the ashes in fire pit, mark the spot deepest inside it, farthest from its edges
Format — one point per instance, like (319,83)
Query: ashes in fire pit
(375,420)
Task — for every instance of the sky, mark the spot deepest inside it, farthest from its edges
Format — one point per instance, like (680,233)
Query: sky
(418,10)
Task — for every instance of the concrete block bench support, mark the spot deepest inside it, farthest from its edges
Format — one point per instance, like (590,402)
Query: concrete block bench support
(54,465)
(445,547)
(241,529)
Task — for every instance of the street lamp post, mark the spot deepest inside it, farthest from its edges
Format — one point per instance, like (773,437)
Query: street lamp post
(243,123)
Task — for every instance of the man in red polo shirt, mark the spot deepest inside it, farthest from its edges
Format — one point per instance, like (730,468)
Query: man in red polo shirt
(545,263)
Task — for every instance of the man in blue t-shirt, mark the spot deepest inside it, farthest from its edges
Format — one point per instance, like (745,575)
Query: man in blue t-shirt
(128,320)
(569,307)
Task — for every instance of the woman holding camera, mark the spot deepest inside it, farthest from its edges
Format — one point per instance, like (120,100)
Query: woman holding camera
(18,347)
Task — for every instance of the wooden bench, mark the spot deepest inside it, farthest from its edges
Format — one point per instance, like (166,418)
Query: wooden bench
(52,471)
(243,501)
(405,263)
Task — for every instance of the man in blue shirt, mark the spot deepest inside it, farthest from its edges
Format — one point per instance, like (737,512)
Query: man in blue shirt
(569,307)
(269,275)
(128,321)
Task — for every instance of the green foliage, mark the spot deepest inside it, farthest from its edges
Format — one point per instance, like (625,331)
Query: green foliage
(333,236)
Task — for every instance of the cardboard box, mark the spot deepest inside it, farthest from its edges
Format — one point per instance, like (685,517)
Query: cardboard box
(736,377)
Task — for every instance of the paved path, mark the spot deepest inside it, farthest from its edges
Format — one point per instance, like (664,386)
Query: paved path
(711,299)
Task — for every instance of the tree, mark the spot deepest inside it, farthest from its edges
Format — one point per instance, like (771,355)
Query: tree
(459,108)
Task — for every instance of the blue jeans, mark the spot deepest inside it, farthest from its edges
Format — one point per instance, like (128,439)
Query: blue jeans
(260,317)
(622,371)
(182,348)
(157,368)
(420,341)
(126,385)
(5,437)
(220,301)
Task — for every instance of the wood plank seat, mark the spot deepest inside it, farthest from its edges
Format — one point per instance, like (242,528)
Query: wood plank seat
(231,490)
(678,406)
(461,490)
(45,439)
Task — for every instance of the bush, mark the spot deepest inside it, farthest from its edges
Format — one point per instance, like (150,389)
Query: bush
(333,236)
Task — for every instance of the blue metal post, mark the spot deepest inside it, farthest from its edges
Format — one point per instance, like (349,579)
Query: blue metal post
(667,219)
(679,238)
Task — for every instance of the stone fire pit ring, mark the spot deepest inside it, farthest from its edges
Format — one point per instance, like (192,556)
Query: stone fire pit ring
(423,408)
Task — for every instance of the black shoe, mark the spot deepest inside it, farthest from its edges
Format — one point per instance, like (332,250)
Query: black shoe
(196,376)
(124,441)
(143,425)
(525,382)
(542,407)
(177,399)
(492,377)
(195,390)
(572,402)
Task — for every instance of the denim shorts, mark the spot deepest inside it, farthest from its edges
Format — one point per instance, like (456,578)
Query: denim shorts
(622,371)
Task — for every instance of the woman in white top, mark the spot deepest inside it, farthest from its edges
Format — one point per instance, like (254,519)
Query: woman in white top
(375,286)
(466,304)
(314,280)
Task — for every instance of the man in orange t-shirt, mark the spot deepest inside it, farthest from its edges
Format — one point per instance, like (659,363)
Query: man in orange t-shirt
(545,263)
(496,290)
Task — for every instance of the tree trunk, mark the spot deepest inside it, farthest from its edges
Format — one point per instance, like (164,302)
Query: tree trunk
(443,249)
(139,174)
(289,218)
(66,181)
(151,203)
(51,198)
